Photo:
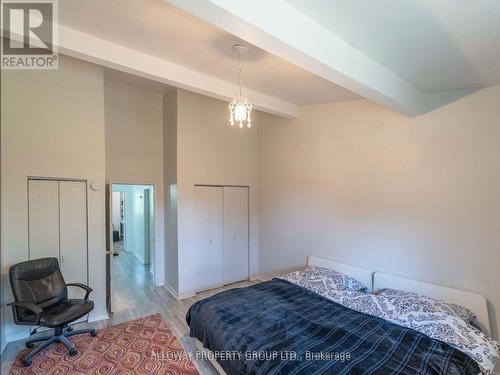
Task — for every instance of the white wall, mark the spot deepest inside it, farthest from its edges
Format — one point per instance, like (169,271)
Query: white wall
(137,223)
(52,126)
(417,197)
(116,210)
(209,151)
(134,148)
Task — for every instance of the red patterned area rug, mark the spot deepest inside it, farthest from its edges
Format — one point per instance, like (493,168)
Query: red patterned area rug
(142,346)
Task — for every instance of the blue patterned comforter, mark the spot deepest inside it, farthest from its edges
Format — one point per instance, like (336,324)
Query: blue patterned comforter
(277,327)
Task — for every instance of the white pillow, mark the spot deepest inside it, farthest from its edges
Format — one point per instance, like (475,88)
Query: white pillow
(320,280)
(428,304)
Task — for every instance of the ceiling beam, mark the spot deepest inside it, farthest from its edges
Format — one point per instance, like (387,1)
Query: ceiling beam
(281,29)
(89,48)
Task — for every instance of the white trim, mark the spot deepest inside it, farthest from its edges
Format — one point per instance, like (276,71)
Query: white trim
(473,301)
(175,294)
(257,278)
(363,275)
(18,335)
(97,317)
(139,258)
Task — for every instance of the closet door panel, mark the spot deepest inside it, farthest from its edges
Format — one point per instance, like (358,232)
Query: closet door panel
(73,233)
(235,234)
(43,208)
(208,238)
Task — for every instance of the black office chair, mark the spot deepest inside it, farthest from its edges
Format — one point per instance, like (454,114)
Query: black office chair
(41,299)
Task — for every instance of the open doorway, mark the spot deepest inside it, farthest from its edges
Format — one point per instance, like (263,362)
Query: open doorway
(132,219)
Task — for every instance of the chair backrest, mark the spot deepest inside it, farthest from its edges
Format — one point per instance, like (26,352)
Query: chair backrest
(38,281)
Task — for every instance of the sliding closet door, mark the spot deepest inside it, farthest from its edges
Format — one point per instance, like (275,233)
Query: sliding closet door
(58,226)
(235,234)
(208,240)
(73,231)
(43,215)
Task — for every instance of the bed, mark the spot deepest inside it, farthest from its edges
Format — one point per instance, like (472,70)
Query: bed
(278,327)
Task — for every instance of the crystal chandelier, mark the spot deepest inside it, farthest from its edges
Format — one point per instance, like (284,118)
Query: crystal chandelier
(239,108)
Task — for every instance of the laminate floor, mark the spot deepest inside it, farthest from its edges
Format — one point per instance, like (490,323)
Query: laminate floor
(135,296)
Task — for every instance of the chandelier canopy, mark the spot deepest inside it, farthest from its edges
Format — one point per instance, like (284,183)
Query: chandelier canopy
(240,109)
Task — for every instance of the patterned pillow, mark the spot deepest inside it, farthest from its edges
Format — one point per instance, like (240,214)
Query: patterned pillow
(415,302)
(321,280)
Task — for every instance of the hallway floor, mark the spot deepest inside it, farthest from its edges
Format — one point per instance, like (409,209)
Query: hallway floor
(128,273)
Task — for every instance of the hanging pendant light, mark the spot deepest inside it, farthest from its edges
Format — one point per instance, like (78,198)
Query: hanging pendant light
(239,108)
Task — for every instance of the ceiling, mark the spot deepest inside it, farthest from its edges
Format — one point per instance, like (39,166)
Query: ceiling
(433,44)
(411,56)
(159,29)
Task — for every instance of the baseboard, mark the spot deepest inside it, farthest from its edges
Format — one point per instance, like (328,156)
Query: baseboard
(176,294)
(172,291)
(186,295)
(256,278)
(138,257)
(96,317)
(20,335)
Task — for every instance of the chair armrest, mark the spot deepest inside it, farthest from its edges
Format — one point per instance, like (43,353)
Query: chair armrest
(87,288)
(37,310)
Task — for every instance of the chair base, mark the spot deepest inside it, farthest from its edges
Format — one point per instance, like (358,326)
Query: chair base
(61,336)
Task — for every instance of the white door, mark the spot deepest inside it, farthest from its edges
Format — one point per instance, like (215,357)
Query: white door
(147,228)
(235,234)
(138,224)
(208,238)
(43,208)
(73,233)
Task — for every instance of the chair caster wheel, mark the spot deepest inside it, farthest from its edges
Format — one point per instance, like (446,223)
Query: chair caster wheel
(30,345)
(72,352)
(69,329)
(93,333)
(26,362)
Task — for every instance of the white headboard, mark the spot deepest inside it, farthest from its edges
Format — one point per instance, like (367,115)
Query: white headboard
(361,274)
(473,301)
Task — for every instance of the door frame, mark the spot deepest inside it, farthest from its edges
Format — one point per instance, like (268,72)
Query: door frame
(157,251)
(148,252)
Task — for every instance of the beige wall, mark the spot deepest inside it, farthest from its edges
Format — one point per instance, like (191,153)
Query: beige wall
(134,147)
(52,126)
(417,197)
(209,151)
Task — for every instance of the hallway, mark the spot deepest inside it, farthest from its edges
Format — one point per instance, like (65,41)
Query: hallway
(130,279)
